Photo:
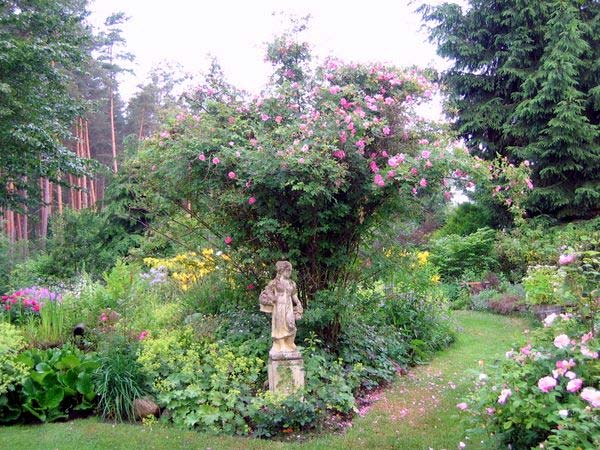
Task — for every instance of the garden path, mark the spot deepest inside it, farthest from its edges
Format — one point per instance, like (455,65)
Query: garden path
(417,412)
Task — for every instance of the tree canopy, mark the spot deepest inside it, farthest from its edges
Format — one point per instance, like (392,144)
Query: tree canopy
(524,83)
(41,42)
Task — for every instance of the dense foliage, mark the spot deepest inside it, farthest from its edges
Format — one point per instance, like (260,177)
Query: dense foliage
(41,44)
(524,83)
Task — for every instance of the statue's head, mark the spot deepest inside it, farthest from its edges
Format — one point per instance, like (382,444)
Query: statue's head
(282,266)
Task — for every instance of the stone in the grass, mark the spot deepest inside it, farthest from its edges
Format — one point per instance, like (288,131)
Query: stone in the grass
(145,407)
(280,299)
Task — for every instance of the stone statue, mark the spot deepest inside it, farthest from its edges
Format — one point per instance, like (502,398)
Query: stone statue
(280,299)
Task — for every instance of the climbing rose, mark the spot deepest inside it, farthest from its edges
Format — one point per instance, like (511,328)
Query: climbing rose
(228,240)
(562,341)
(378,180)
(592,396)
(574,385)
(546,384)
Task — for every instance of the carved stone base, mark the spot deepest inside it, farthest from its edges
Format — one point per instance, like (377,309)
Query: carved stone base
(286,372)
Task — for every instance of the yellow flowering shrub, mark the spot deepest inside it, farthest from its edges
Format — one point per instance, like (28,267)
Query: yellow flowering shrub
(422,258)
(12,372)
(186,269)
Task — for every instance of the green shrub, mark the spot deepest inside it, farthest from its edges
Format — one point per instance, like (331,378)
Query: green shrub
(12,372)
(453,255)
(465,219)
(457,294)
(543,284)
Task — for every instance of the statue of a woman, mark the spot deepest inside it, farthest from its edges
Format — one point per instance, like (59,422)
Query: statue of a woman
(280,299)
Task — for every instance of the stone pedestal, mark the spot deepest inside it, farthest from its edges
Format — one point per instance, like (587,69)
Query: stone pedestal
(286,372)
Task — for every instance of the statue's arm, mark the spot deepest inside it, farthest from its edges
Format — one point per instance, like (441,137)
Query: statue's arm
(298,310)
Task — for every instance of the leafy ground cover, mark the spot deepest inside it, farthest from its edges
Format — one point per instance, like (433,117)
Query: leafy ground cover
(418,411)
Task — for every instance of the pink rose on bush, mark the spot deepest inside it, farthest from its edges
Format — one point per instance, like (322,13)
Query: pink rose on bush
(574,385)
(378,180)
(504,394)
(562,341)
(585,351)
(201,157)
(563,260)
(549,320)
(462,406)
(251,200)
(425,154)
(231,175)
(546,384)
(216,160)
(592,396)
(143,335)
(228,240)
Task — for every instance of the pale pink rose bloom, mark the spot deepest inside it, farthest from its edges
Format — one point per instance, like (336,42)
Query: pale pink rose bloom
(334,90)
(549,320)
(264,117)
(490,411)
(373,166)
(462,406)
(278,119)
(574,385)
(252,200)
(546,384)
(216,161)
(423,141)
(201,157)
(428,164)
(143,335)
(393,161)
(425,154)
(504,394)
(526,350)
(301,160)
(413,171)
(386,131)
(529,183)
(563,260)
(562,341)
(587,337)
(566,365)
(592,396)
(461,445)
(378,180)
(423,182)
(231,175)
(585,351)
(570,375)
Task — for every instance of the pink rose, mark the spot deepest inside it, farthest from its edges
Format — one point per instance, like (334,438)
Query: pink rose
(574,385)
(278,119)
(143,335)
(549,320)
(228,240)
(564,260)
(562,341)
(425,154)
(251,200)
(490,411)
(587,337)
(504,394)
(592,396)
(585,351)
(216,161)
(378,180)
(231,175)
(201,157)
(462,406)
(423,182)
(546,384)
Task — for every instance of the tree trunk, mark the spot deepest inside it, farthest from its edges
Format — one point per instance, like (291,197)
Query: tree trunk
(112,129)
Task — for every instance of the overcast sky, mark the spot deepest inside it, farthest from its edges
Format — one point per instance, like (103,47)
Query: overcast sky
(186,31)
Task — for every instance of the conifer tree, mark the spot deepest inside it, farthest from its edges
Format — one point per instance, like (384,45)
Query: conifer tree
(525,83)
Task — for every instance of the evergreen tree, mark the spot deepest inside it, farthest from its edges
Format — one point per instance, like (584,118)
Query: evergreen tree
(525,83)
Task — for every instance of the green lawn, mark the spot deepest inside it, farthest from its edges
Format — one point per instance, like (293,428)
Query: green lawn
(417,412)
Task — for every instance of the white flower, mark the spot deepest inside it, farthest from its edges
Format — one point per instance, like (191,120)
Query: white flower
(549,320)
(564,413)
(483,377)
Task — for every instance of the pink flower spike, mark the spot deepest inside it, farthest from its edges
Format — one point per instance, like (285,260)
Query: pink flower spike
(251,200)
(546,384)
(231,175)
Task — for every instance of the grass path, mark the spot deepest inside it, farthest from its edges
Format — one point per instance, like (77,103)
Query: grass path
(417,412)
